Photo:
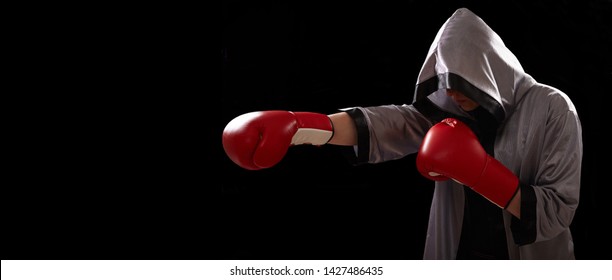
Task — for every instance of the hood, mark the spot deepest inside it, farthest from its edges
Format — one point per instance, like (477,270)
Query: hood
(468,56)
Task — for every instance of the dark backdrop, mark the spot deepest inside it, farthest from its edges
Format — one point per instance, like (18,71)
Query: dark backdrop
(120,156)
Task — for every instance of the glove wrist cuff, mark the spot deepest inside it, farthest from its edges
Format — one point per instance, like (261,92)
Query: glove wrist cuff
(497,183)
(313,128)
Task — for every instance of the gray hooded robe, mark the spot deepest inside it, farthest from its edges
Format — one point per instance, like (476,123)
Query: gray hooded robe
(538,138)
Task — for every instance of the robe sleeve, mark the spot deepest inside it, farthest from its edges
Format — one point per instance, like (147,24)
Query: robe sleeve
(386,132)
(549,203)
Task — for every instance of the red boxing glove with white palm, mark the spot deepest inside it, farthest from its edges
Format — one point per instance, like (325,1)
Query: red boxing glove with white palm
(260,140)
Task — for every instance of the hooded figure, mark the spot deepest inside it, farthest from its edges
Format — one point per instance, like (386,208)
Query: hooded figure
(527,132)
(531,128)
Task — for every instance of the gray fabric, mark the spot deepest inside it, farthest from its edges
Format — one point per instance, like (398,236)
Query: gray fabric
(539,138)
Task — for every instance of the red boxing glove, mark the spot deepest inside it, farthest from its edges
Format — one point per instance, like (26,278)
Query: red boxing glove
(450,149)
(260,140)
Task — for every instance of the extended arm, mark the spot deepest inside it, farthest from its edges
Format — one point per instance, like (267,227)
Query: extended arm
(258,140)
(345,132)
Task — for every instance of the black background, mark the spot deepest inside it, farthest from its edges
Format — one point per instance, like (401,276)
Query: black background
(123,159)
